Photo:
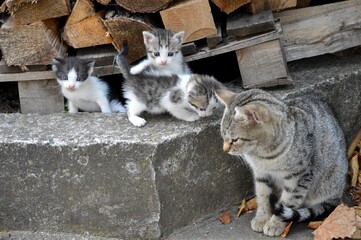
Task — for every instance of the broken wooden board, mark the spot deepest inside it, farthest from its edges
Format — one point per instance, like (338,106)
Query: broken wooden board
(257,6)
(241,24)
(40,96)
(177,18)
(263,65)
(189,48)
(88,32)
(123,28)
(34,44)
(232,46)
(314,31)
(17,69)
(143,6)
(229,6)
(40,10)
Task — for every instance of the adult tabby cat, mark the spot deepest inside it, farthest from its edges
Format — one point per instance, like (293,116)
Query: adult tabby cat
(187,97)
(83,91)
(163,53)
(296,150)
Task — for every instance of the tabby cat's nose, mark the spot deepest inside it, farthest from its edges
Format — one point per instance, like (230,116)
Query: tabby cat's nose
(227,146)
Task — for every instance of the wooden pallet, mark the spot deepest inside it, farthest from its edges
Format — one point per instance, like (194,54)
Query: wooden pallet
(262,58)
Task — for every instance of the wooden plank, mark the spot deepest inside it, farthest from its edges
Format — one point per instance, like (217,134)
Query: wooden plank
(34,44)
(40,10)
(188,49)
(42,96)
(262,65)
(229,6)
(177,18)
(232,46)
(314,31)
(257,6)
(88,32)
(240,24)
(16,69)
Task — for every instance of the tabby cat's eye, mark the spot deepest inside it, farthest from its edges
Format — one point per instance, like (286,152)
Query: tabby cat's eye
(156,54)
(64,77)
(170,54)
(78,78)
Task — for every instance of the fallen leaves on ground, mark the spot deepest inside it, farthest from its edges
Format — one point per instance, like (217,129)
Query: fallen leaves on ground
(246,206)
(315,224)
(287,229)
(341,223)
(225,218)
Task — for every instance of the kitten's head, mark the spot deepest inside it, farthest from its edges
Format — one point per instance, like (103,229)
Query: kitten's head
(245,123)
(201,94)
(163,46)
(71,72)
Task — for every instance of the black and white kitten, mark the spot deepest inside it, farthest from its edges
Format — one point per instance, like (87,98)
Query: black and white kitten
(186,96)
(163,53)
(83,91)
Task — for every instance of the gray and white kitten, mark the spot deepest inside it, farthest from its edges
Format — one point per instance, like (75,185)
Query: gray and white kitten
(187,96)
(83,91)
(163,53)
(296,150)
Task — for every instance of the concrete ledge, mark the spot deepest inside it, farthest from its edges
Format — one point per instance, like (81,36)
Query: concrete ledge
(97,173)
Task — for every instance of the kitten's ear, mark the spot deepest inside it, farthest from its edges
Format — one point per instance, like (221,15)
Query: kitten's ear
(225,96)
(179,37)
(55,62)
(90,66)
(251,113)
(148,37)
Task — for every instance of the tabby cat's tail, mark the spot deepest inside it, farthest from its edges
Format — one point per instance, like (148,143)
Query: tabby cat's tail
(288,214)
(122,62)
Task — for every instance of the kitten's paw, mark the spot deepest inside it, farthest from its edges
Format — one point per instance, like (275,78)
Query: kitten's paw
(192,118)
(135,70)
(258,223)
(137,121)
(274,228)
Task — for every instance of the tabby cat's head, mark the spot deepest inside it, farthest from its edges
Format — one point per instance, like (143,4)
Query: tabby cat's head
(244,125)
(163,46)
(71,72)
(201,94)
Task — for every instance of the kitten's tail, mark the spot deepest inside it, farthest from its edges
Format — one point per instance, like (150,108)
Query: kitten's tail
(288,214)
(122,62)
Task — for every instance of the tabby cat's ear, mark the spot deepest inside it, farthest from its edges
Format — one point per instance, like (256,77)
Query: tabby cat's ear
(179,37)
(90,66)
(148,37)
(225,96)
(251,113)
(55,62)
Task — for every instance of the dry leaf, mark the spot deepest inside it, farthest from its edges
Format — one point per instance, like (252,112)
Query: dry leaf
(246,206)
(358,210)
(341,223)
(225,218)
(357,233)
(354,170)
(287,229)
(355,143)
(315,224)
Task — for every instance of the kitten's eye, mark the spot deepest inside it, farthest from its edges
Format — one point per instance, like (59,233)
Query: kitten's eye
(156,54)
(78,78)
(64,78)
(214,108)
(170,54)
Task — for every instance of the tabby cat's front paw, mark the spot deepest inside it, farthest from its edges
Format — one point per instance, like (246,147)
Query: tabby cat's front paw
(192,118)
(258,223)
(274,228)
(135,70)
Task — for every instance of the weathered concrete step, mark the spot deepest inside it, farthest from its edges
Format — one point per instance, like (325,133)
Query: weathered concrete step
(97,174)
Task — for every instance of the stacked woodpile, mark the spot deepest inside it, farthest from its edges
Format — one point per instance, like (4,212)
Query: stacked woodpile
(40,30)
